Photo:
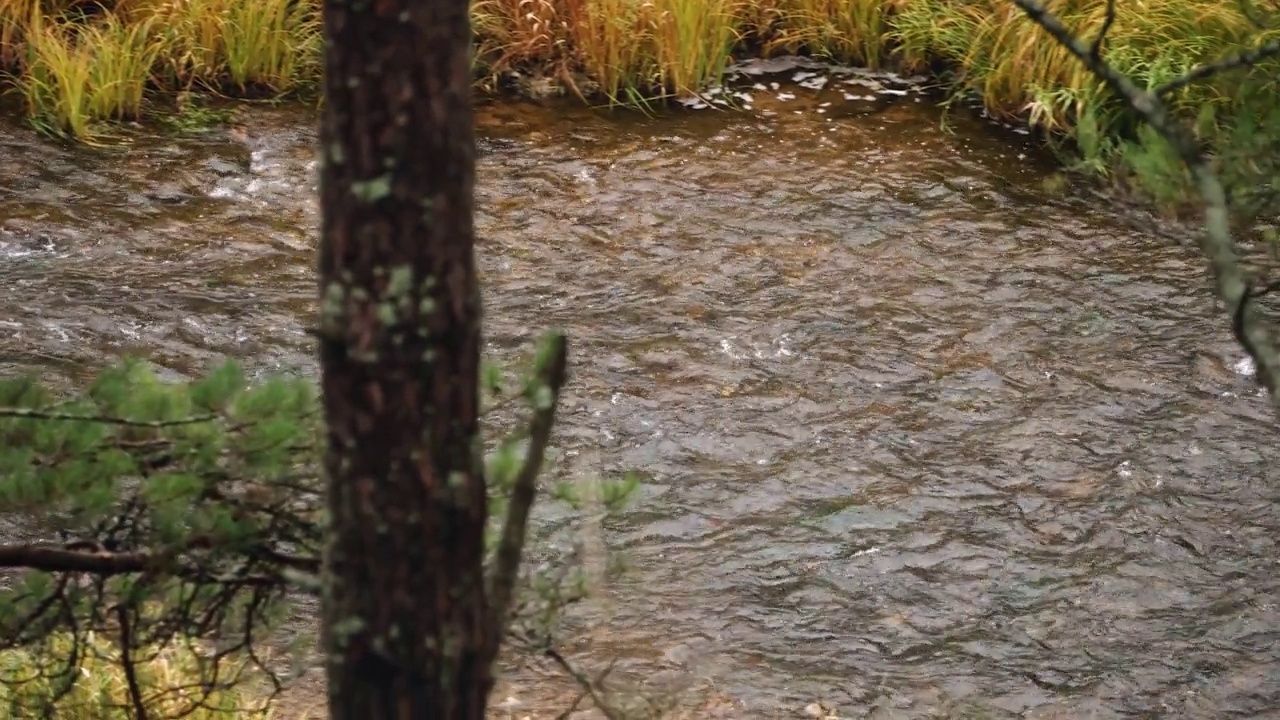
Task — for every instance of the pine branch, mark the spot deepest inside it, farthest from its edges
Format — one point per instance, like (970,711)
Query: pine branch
(39,414)
(1216,242)
(544,391)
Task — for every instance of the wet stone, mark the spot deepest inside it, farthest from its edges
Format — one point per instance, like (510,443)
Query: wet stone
(224,166)
(169,194)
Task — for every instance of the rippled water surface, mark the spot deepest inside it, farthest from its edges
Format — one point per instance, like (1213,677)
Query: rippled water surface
(918,436)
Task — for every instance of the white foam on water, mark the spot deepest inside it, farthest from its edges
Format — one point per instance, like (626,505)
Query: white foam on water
(1245,367)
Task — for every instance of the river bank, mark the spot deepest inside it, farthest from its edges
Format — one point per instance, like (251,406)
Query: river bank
(77,64)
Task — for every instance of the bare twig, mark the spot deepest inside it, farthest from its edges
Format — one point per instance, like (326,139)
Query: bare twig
(49,557)
(1247,58)
(573,706)
(92,558)
(549,379)
(126,661)
(589,686)
(1249,11)
(1237,314)
(1216,242)
(1095,50)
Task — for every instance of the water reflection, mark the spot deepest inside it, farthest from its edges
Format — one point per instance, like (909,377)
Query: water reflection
(918,436)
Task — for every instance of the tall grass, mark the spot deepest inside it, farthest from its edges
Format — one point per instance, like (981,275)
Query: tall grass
(77,74)
(692,40)
(843,30)
(76,68)
(1010,63)
(271,43)
(123,56)
(630,50)
(14,14)
(76,71)
(613,41)
(193,39)
(169,680)
(1021,74)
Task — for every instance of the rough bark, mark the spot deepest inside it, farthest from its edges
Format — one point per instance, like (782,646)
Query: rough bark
(406,628)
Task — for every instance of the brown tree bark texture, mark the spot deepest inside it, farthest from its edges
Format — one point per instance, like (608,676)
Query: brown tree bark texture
(405,626)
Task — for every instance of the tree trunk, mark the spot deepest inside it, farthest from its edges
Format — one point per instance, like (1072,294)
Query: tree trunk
(406,629)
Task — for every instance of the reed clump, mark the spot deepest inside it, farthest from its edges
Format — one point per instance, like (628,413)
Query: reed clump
(629,51)
(984,49)
(77,74)
(991,51)
(78,62)
(847,31)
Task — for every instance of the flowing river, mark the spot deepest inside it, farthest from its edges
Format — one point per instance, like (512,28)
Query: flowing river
(918,436)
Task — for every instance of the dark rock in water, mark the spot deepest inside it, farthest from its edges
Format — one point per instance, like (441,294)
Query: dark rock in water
(11,246)
(169,193)
(224,167)
(488,146)
(22,238)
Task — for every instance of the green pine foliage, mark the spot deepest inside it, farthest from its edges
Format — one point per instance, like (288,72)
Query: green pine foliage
(213,486)
(208,486)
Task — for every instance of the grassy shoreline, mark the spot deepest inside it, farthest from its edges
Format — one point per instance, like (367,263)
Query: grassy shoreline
(80,64)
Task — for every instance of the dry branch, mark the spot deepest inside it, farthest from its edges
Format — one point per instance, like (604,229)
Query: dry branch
(1208,70)
(548,381)
(1216,242)
(96,560)
(40,414)
(48,557)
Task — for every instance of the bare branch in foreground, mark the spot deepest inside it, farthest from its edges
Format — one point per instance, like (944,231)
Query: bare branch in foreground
(549,379)
(1251,12)
(92,558)
(1217,242)
(591,687)
(48,557)
(130,671)
(1109,19)
(1247,58)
